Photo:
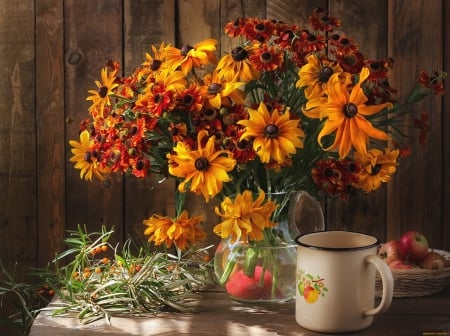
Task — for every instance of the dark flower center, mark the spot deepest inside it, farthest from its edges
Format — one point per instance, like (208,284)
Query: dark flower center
(158,98)
(266,57)
(260,28)
(188,99)
(133,130)
(335,37)
(140,165)
(328,172)
(312,38)
(352,167)
(325,74)
(242,144)
(325,19)
(210,113)
(102,92)
(260,38)
(88,157)
(345,41)
(271,131)
(375,66)
(239,54)
(214,88)
(174,131)
(376,169)
(155,65)
(185,49)
(201,164)
(350,110)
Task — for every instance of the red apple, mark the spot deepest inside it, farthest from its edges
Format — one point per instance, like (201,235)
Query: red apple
(243,287)
(389,251)
(412,246)
(399,264)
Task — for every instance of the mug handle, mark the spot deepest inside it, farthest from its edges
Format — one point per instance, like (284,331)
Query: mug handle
(388,285)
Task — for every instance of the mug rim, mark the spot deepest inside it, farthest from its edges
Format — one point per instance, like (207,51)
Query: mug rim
(329,248)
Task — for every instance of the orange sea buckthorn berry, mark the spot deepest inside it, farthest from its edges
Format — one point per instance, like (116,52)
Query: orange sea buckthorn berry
(104,248)
(98,249)
(138,268)
(51,292)
(105,260)
(86,274)
(98,270)
(75,275)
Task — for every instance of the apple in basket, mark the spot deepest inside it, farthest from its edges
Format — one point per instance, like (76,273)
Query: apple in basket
(400,264)
(412,246)
(389,251)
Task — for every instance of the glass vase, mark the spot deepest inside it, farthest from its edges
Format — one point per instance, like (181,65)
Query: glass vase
(265,271)
(258,273)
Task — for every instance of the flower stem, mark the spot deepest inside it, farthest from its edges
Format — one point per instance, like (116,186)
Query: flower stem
(231,262)
(251,257)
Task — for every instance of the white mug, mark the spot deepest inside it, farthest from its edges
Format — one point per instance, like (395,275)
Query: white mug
(336,281)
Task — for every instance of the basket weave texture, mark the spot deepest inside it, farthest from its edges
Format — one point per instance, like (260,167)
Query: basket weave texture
(417,282)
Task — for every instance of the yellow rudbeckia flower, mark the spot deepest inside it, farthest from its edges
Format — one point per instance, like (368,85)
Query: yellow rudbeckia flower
(377,166)
(85,158)
(183,231)
(276,136)
(204,168)
(345,116)
(245,219)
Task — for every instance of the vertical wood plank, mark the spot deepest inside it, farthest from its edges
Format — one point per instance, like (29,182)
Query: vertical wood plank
(144,197)
(445,117)
(207,25)
(50,125)
(93,34)
(18,210)
(294,11)
(366,23)
(415,194)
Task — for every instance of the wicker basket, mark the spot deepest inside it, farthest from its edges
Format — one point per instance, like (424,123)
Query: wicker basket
(418,282)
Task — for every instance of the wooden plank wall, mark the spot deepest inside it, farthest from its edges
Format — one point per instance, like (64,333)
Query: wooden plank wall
(52,52)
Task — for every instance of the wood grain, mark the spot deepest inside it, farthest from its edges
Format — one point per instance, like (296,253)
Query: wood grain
(145,197)
(218,315)
(416,191)
(48,67)
(93,34)
(366,23)
(445,118)
(50,116)
(18,197)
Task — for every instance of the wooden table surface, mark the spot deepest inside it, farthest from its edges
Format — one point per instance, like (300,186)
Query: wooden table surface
(220,316)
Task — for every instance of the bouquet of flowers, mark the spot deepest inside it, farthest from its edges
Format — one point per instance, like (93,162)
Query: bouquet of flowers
(289,108)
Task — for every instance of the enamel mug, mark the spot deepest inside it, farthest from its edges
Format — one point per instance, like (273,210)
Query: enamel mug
(335,281)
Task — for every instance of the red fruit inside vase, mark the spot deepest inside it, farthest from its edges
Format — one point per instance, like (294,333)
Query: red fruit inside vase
(243,287)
